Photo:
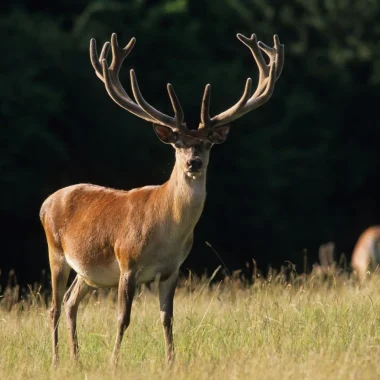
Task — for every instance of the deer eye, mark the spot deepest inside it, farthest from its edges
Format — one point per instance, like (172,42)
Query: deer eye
(178,144)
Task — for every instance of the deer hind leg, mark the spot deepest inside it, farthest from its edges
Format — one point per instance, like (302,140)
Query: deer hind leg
(166,295)
(126,292)
(60,271)
(72,298)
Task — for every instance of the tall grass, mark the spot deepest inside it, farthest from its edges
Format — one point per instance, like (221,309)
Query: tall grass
(318,326)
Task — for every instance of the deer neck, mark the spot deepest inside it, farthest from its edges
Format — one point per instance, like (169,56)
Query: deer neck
(187,195)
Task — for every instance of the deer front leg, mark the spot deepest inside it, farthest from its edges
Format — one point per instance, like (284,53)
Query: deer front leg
(166,294)
(127,285)
(73,297)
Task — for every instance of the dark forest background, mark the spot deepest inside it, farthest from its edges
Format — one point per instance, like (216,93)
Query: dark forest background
(298,172)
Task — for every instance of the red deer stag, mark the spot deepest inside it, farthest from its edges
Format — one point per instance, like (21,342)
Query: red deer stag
(116,238)
(366,254)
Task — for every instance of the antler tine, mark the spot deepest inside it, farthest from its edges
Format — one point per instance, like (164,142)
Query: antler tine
(150,110)
(275,54)
(95,61)
(121,98)
(254,103)
(118,55)
(268,75)
(178,112)
(205,109)
(205,115)
(252,44)
(104,52)
(110,76)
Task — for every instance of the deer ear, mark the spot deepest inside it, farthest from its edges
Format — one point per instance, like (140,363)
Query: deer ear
(219,135)
(165,134)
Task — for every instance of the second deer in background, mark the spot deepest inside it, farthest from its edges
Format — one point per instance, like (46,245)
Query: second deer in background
(366,253)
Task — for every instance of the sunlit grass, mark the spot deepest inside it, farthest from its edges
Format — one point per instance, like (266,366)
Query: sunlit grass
(311,328)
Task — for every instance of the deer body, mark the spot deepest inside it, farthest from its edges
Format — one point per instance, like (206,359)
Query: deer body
(151,228)
(115,238)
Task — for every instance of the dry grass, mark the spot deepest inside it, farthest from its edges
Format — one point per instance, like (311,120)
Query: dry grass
(312,328)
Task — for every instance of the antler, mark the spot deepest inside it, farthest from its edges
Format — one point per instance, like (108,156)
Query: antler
(268,75)
(110,77)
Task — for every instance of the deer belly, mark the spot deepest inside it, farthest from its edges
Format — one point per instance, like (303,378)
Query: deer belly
(154,272)
(157,266)
(99,275)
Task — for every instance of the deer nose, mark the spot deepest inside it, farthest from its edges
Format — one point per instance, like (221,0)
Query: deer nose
(194,164)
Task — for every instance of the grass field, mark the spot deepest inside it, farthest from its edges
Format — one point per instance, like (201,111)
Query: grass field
(311,328)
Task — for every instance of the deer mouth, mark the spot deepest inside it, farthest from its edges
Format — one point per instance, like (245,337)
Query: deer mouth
(194,173)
